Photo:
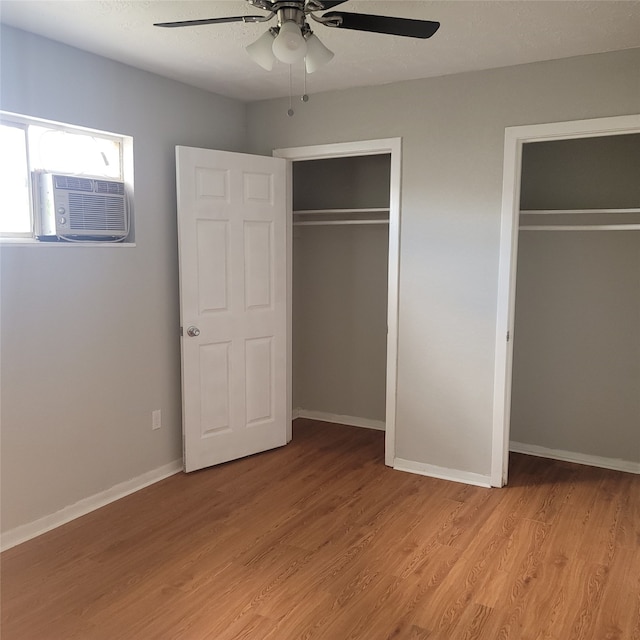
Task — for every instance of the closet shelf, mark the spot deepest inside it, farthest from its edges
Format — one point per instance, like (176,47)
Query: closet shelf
(310,223)
(323,217)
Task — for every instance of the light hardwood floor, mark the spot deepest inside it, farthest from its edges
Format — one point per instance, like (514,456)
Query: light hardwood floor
(321,540)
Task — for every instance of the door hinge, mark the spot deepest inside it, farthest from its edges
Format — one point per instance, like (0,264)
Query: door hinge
(508,336)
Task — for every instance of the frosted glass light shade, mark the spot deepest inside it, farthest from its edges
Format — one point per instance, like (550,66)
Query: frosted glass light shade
(317,54)
(289,45)
(261,50)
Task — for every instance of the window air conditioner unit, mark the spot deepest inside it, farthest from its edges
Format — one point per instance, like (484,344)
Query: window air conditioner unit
(80,208)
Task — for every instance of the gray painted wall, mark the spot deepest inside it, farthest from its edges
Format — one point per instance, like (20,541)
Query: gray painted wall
(90,335)
(453,134)
(576,366)
(576,369)
(586,173)
(340,320)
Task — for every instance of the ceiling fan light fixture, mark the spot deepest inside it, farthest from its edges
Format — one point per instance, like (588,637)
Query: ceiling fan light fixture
(317,54)
(289,45)
(261,51)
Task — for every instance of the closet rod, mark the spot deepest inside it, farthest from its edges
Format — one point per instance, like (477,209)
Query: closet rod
(317,223)
(307,212)
(586,227)
(560,212)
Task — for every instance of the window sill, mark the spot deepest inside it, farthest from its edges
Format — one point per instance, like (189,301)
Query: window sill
(32,242)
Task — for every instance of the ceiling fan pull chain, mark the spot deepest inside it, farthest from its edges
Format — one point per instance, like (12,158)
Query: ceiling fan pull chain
(305,96)
(290,111)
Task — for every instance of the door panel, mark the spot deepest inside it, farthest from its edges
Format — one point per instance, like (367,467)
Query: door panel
(233,291)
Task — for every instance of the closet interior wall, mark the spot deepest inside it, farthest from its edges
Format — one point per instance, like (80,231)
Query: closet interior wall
(340,286)
(576,366)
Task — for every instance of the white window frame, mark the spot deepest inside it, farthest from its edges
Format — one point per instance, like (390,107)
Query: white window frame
(126,175)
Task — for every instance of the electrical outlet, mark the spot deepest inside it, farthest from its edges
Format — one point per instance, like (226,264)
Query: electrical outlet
(156,419)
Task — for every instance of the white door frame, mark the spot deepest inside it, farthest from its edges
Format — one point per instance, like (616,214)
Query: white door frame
(392,146)
(515,138)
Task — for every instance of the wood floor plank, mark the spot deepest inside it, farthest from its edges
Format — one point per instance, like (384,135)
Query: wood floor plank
(628,532)
(620,609)
(320,541)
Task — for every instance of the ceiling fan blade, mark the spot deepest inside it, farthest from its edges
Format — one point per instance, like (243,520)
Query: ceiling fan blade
(194,23)
(381,24)
(323,5)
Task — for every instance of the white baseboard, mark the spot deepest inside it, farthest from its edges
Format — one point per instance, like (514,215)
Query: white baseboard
(350,421)
(615,464)
(442,473)
(30,530)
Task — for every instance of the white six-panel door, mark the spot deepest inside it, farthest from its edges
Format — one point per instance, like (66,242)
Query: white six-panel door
(233,307)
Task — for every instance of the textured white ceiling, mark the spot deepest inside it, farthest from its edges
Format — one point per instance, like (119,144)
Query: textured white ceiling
(476,34)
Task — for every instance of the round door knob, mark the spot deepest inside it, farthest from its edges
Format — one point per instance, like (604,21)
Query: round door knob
(192,332)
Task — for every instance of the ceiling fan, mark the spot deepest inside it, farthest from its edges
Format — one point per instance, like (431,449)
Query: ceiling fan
(293,40)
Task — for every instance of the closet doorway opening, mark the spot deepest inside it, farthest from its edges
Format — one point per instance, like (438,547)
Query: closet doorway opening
(343,254)
(564,222)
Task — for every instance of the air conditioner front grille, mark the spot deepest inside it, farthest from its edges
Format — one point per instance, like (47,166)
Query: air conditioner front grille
(108,186)
(96,213)
(73,183)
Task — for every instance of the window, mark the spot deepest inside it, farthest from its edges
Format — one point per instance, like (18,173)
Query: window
(15,215)
(30,148)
